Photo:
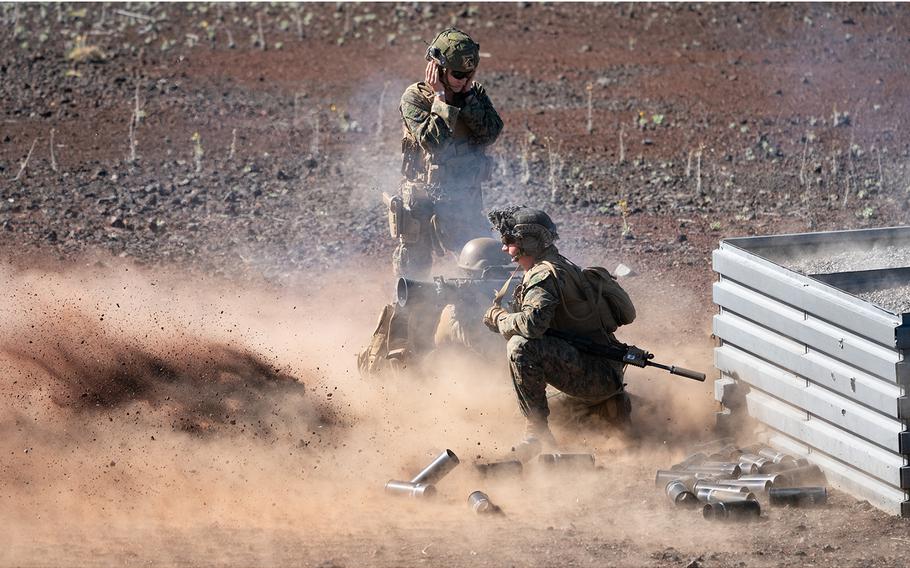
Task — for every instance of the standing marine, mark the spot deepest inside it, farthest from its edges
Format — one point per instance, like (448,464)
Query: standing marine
(558,301)
(448,122)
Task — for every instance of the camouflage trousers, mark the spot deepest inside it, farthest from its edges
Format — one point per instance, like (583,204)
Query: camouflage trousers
(444,223)
(587,383)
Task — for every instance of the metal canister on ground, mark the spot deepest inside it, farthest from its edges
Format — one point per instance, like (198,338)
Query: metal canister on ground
(568,461)
(802,476)
(732,511)
(729,495)
(480,503)
(798,496)
(410,489)
(728,469)
(438,468)
(754,485)
(722,485)
(665,476)
(680,495)
(778,458)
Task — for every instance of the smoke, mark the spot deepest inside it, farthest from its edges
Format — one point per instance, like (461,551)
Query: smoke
(156,401)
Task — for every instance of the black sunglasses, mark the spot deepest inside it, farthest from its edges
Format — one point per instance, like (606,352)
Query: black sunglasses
(461,74)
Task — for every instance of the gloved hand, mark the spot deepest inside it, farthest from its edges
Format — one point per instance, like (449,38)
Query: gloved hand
(491,317)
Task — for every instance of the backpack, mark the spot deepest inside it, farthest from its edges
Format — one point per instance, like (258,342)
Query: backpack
(603,297)
(610,301)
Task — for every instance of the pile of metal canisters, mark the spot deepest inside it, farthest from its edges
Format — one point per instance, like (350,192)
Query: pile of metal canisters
(423,485)
(730,483)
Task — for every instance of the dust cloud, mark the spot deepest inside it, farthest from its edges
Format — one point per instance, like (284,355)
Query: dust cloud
(152,400)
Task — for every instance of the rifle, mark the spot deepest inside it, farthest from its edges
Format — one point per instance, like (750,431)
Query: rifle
(623,353)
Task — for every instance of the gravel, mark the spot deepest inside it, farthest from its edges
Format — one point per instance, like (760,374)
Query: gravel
(895,299)
(890,256)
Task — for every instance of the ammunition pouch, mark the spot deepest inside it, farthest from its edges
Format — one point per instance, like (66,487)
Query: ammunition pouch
(402,222)
(412,166)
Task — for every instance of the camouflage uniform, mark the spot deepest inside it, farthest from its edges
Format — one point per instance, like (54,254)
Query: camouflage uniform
(555,294)
(406,333)
(444,163)
(536,360)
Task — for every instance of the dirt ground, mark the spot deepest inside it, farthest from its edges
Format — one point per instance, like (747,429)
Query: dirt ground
(194,250)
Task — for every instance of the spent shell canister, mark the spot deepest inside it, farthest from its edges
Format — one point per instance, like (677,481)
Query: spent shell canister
(774,478)
(680,495)
(665,476)
(503,468)
(728,469)
(442,465)
(732,511)
(707,484)
(748,468)
(728,495)
(798,496)
(581,461)
(755,459)
(410,489)
(480,503)
(776,457)
(802,476)
(754,485)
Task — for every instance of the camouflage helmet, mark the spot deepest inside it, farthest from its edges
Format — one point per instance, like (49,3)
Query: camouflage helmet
(482,255)
(455,50)
(531,229)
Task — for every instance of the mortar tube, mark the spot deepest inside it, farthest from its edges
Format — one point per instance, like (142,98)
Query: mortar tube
(680,495)
(798,496)
(503,468)
(442,465)
(733,511)
(723,495)
(728,469)
(410,489)
(480,503)
(585,461)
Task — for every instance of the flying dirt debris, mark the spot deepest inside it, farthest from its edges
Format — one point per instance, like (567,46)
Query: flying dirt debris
(194,247)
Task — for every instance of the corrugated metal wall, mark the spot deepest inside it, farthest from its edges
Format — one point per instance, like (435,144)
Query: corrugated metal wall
(823,369)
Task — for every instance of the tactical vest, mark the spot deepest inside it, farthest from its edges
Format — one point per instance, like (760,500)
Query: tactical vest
(459,164)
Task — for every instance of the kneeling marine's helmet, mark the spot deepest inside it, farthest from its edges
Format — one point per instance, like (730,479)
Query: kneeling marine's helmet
(531,229)
(483,257)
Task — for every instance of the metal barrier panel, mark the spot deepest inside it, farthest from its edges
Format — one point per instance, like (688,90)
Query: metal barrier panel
(817,364)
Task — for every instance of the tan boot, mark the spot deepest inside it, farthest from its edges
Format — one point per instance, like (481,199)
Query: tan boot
(537,437)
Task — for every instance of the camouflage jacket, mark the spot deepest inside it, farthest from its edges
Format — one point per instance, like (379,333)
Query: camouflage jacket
(434,125)
(533,304)
(542,301)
